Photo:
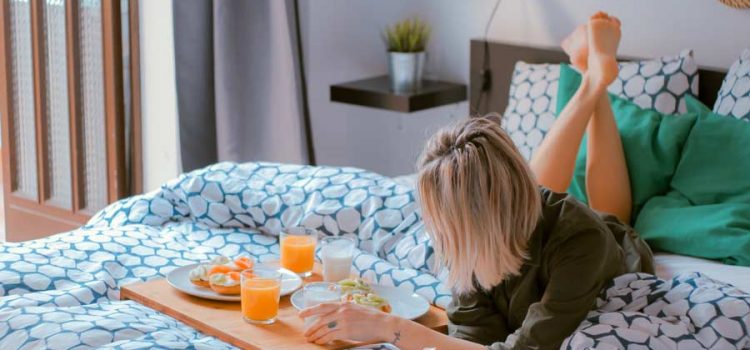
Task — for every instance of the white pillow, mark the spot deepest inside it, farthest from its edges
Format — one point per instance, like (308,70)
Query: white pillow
(734,95)
(661,84)
(531,108)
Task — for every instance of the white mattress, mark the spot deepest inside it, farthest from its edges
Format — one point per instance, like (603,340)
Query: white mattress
(669,265)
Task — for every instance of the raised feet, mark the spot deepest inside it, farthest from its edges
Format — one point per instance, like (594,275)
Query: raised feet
(576,45)
(603,40)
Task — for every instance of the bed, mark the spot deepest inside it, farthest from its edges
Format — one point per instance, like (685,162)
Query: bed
(501,62)
(62,292)
(631,310)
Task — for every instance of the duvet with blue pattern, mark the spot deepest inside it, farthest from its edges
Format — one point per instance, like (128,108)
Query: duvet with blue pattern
(62,292)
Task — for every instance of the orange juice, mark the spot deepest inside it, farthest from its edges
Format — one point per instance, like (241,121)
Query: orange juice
(260,299)
(298,253)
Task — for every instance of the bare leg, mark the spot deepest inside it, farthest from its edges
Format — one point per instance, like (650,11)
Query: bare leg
(554,161)
(607,180)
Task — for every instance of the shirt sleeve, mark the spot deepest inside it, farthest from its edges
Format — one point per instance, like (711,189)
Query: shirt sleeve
(578,270)
(475,318)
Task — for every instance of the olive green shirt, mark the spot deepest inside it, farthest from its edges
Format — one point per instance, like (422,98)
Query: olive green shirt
(573,253)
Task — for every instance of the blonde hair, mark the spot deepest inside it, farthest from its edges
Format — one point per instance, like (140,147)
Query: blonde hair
(480,202)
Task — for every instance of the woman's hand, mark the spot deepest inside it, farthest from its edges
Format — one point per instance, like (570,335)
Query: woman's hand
(348,321)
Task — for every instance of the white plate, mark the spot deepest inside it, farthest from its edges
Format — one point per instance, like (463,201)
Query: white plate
(179,279)
(403,303)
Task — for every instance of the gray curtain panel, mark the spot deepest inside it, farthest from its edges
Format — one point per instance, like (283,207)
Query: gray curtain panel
(239,84)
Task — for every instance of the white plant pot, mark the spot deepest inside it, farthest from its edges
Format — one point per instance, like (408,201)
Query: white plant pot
(406,70)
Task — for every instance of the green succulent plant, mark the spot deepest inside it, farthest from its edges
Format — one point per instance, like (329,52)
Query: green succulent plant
(409,35)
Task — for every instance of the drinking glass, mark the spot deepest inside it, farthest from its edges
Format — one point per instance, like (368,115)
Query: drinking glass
(337,254)
(298,250)
(260,290)
(317,293)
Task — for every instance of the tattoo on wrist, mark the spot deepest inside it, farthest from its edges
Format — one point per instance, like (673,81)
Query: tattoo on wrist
(396,337)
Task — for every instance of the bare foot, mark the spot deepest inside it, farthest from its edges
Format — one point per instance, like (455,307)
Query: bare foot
(576,45)
(603,40)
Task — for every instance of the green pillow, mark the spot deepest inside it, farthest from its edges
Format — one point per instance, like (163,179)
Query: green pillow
(715,160)
(707,211)
(652,142)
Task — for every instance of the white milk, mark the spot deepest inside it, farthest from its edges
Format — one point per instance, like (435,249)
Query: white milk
(336,267)
(337,260)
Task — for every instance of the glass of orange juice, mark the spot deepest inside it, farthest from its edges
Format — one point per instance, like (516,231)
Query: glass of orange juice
(298,250)
(259,294)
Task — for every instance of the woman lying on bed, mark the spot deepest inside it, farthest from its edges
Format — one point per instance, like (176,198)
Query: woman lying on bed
(525,262)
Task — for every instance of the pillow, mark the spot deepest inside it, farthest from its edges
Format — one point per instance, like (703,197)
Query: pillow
(531,106)
(734,95)
(716,151)
(661,84)
(651,140)
(707,211)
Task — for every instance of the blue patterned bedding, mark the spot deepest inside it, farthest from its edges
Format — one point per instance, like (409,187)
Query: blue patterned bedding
(690,311)
(62,292)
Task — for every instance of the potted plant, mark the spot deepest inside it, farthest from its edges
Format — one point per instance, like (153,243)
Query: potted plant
(406,41)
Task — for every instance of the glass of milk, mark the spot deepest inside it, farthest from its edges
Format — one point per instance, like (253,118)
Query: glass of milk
(337,254)
(315,293)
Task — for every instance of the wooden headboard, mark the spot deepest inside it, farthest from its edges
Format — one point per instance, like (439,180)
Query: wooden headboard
(503,58)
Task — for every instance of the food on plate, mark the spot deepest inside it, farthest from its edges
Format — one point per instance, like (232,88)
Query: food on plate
(243,263)
(358,285)
(225,283)
(220,269)
(372,300)
(360,292)
(219,260)
(238,264)
(200,275)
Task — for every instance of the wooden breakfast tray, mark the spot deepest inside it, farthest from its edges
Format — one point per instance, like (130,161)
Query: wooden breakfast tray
(224,321)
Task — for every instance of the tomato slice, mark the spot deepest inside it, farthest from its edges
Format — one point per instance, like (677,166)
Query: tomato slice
(234,275)
(244,262)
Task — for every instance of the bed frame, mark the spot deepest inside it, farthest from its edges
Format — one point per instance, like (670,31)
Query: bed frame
(502,60)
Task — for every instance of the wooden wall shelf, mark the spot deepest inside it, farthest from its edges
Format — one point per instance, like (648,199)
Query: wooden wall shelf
(376,92)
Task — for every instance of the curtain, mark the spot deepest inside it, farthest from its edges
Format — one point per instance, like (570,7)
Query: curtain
(239,82)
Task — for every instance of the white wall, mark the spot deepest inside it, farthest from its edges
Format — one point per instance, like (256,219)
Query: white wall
(161,160)
(342,43)
(717,33)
